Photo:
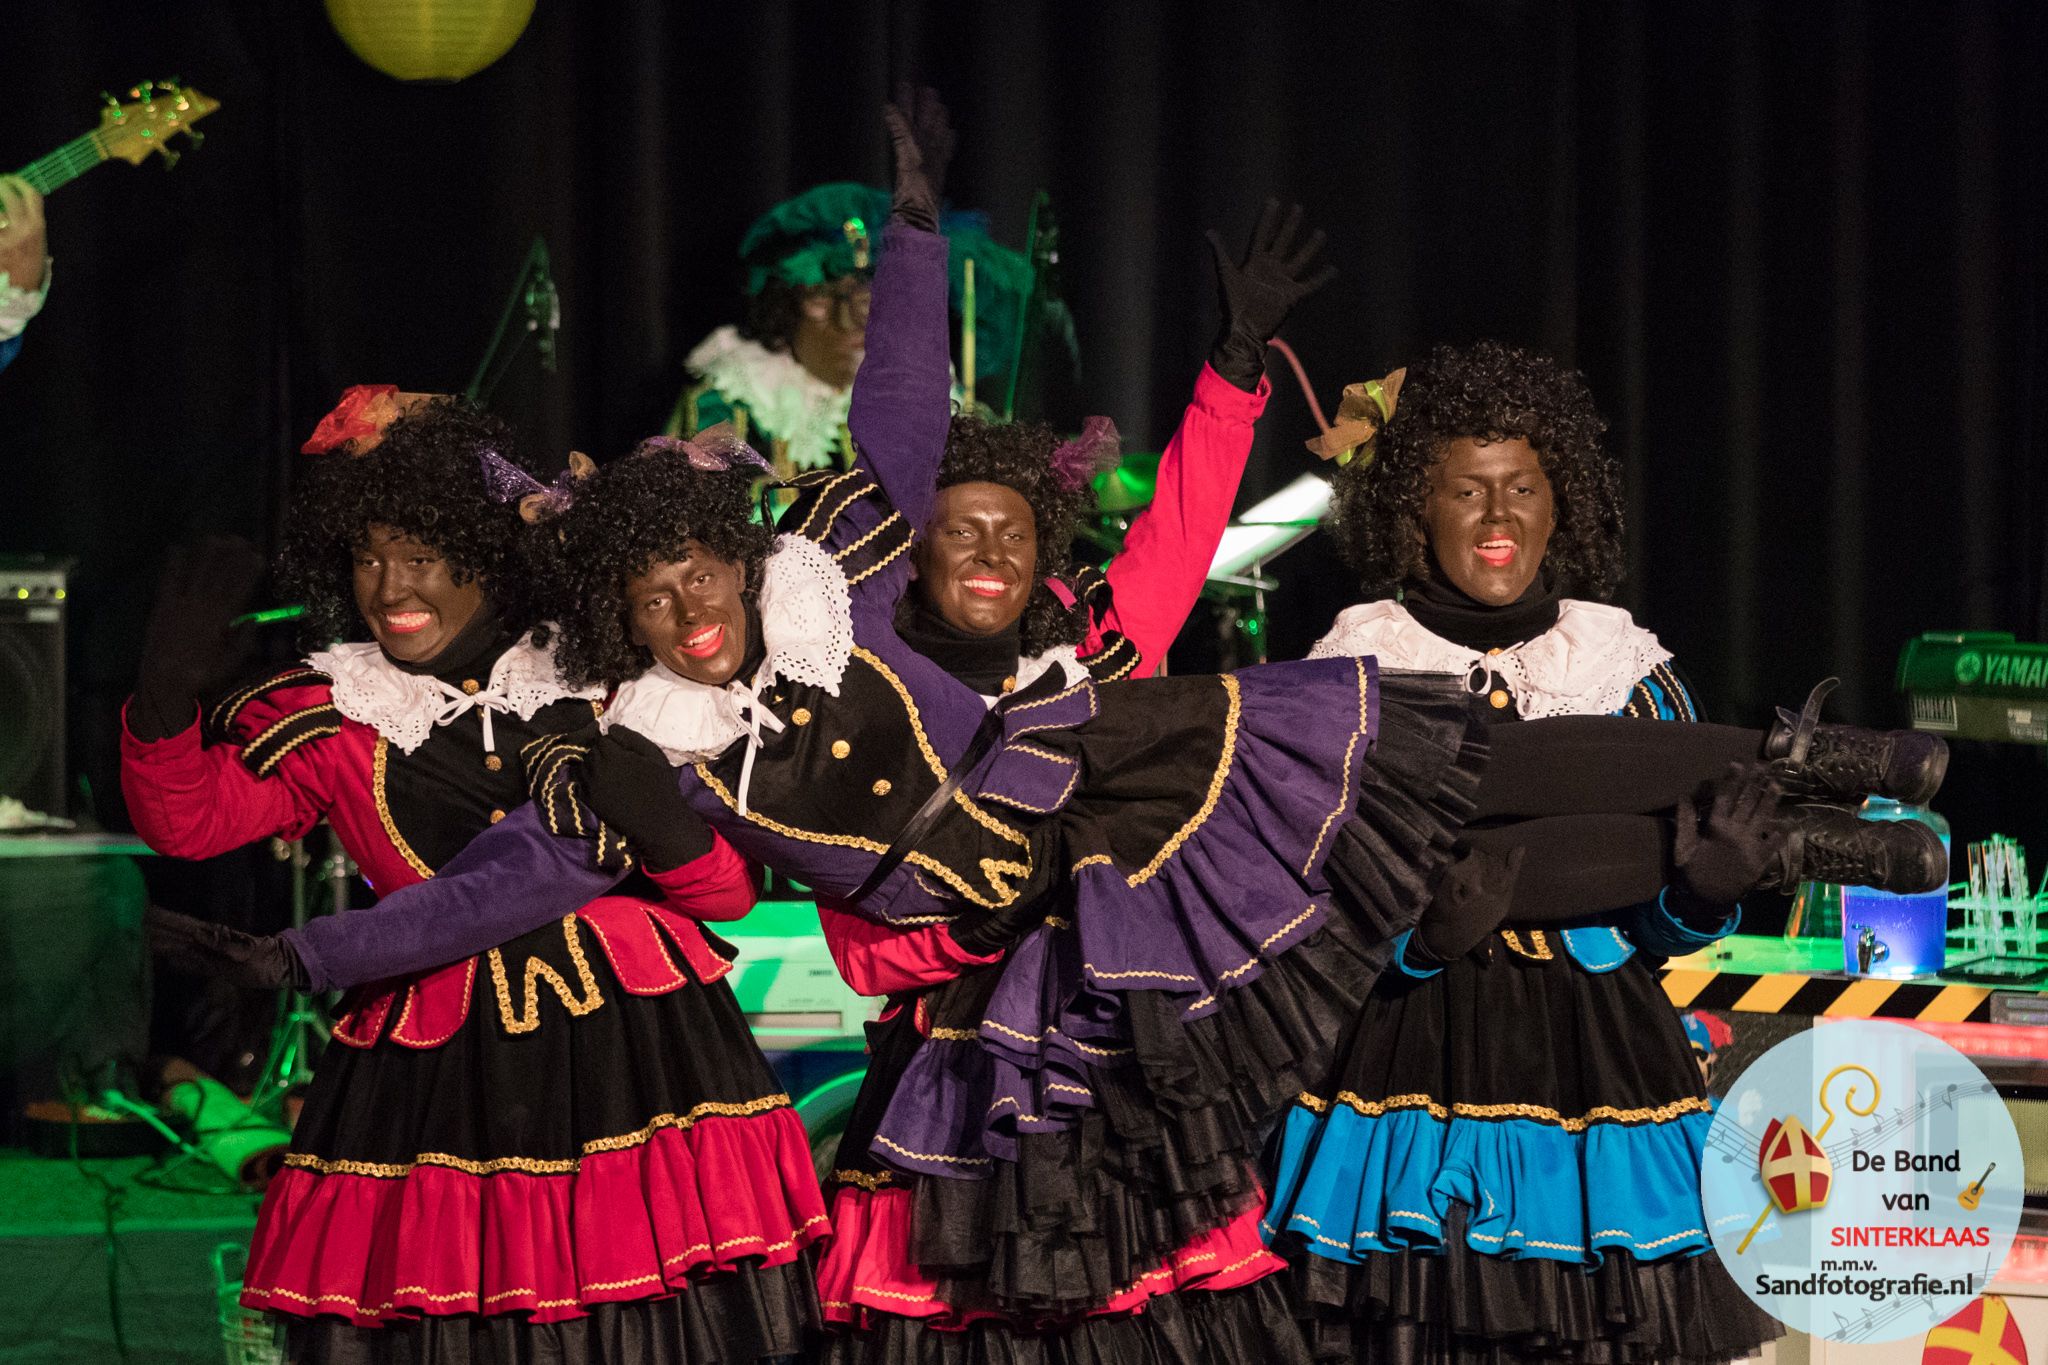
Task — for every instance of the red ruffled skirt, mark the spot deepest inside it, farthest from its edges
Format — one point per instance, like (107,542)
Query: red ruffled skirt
(576,1123)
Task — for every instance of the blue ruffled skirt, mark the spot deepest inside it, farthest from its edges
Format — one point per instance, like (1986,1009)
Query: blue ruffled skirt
(1507,1162)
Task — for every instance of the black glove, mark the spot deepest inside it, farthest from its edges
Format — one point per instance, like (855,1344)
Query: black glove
(631,785)
(982,930)
(203,948)
(187,650)
(922,136)
(1723,857)
(1258,292)
(1471,899)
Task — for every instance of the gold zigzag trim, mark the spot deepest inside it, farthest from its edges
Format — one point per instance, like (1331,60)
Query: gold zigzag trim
(933,1156)
(824,498)
(1216,782)
(884,562)
(537,971)
(1253,961)
(870,1183)
(931,757)
(1604,1113)
(991,868)
(378,767)
(228,709)
(532,1165)
(270,761)
(884,524)
(1344,801)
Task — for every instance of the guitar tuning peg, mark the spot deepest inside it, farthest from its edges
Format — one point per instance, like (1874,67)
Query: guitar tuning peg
(110,102)
(196,137)
(170,157)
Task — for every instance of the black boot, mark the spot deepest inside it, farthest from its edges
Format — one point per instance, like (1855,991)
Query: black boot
(1848,762)
(1829,844)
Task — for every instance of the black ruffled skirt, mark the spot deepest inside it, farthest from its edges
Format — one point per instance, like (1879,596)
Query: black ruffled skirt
(1141,1205)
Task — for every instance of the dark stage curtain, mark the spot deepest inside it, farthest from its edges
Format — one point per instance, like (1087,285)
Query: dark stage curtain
(1796,248)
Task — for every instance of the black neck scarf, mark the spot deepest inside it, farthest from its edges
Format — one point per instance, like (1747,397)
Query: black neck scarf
(1444,610)
(983,662)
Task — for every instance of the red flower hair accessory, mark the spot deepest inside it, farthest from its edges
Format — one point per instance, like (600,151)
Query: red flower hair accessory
(359,419)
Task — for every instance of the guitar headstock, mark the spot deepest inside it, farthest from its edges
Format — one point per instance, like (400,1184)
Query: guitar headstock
(156,112)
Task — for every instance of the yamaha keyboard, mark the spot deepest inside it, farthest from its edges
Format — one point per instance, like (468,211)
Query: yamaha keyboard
(1977,685)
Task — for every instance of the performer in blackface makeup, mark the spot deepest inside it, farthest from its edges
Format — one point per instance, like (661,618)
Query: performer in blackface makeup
(562,1146)
(782,378)
(1149,855)
(1507,1164)
(990,604)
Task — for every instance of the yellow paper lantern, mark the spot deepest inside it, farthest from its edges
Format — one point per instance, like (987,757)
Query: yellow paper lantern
(430,40)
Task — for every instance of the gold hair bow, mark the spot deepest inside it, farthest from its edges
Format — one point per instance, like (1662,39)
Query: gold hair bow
(1365,409)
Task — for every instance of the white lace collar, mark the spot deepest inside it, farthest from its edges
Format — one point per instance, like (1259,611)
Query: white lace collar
(1065,657)
(405,707)
(807,626)
(796,407)
(1584,665)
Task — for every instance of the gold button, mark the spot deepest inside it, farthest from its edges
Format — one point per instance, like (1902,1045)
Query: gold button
(840,748)
(1009,684)
(1494,650)
(493,762)
(496,816)
(802,715)
(1499,700)
(881,787)
(472,686)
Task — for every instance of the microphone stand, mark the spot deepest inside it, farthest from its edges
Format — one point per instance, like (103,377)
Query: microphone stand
(535,299)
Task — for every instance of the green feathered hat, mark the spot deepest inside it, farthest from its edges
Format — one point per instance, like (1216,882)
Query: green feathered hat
(825,233)
(831,231)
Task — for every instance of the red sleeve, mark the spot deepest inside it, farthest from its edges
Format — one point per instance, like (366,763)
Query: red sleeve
(717,885)
(1155,580)
(877,960)
(190,800)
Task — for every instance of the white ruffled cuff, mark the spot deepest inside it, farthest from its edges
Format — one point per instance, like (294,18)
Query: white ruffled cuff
(18,305)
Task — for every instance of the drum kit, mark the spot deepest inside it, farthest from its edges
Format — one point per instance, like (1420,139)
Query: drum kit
(1237,580)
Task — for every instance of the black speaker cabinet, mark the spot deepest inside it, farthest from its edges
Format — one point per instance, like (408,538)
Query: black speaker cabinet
(32,603)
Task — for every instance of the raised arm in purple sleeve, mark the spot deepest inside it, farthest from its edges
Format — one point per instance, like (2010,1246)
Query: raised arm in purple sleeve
(902,396)
(511,879)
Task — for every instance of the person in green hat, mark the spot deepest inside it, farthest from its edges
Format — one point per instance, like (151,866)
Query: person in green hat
(783,376)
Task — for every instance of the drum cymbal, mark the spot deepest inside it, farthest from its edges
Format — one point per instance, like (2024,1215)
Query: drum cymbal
(1130,485)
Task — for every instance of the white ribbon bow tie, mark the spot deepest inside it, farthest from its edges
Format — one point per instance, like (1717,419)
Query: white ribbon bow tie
(459,703)
(749,710)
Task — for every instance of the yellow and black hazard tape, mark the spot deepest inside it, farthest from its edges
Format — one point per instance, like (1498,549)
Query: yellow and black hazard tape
(1839,997)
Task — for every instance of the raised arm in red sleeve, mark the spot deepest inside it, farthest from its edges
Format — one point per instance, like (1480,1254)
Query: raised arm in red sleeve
(1156,578)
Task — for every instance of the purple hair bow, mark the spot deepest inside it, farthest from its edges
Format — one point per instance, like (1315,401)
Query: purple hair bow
(713,450)
(507,482)
(1095,450)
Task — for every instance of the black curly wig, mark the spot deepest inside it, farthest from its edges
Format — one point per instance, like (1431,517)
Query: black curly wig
(1493,392)
(630,515)
(422,479)
(772,315)
(1018,455)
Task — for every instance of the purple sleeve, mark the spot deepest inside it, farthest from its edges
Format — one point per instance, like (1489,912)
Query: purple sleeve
(902,396)
(511,879)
